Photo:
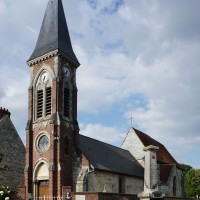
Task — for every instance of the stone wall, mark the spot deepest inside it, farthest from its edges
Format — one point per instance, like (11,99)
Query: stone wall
(179,183)
(13,151)
(133,144)
(91,180)
(98,181)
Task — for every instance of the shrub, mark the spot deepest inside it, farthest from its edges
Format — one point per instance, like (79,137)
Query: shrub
(4,192)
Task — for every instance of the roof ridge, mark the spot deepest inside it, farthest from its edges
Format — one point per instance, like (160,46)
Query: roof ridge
(104,143)
(148,136)
(144,137)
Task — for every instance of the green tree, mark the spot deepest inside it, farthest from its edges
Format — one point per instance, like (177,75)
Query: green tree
(192,179)
(4,190)
(186,169)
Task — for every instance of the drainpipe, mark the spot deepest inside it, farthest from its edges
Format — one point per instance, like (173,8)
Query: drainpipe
(86,176)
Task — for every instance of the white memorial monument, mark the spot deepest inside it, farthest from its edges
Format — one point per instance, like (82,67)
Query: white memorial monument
(150,174)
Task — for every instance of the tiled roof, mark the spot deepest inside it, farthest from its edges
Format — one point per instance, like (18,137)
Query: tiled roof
(165,170)
(106,157)
(163,154)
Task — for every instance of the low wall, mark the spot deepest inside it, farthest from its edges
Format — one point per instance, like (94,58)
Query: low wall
(19,194)
(177,198)
(102,196)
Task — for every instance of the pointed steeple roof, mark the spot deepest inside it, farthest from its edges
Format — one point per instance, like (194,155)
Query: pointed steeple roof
(54,33)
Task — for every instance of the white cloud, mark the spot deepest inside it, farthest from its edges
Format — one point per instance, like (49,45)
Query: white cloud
(103,133)
(154,51)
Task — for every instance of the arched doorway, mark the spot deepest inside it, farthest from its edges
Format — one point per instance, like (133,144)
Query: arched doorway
(41,183)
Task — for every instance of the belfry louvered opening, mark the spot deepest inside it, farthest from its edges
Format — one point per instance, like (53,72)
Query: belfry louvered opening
(66,102)
(48,101)
(39,103)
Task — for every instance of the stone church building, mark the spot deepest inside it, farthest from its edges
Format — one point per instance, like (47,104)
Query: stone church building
(58,158)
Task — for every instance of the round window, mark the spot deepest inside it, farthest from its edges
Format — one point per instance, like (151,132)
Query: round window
(43,143)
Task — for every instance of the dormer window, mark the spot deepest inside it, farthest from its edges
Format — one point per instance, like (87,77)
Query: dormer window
(43,96)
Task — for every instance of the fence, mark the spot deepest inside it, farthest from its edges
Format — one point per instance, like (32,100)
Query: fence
(83,196)
(94,196)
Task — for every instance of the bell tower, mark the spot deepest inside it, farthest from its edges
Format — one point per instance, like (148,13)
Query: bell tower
(52,128)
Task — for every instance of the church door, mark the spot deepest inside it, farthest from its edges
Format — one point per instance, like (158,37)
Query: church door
(43,189)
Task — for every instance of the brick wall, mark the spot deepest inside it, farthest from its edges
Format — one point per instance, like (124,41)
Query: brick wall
(177,198)
(19,194)
(57,160)
(110,196)
(88,195)
(103,196)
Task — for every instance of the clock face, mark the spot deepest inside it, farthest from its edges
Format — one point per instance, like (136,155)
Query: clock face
(44,77)
(43,143)
(66,71)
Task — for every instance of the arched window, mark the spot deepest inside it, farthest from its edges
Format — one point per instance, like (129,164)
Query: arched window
(66,100)
(43,96)
(174,186)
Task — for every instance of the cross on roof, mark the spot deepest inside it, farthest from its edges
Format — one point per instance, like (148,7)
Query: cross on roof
(131,120)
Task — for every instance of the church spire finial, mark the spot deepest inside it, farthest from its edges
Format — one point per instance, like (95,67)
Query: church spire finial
(54,34)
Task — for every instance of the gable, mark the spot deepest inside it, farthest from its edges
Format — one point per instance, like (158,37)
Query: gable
(133,144)
(163,155)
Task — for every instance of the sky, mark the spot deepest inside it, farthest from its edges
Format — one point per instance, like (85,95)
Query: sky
(140,59)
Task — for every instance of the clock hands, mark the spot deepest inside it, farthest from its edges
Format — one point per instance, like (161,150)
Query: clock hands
(44,77)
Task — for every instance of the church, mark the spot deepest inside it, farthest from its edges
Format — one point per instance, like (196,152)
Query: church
(58,159)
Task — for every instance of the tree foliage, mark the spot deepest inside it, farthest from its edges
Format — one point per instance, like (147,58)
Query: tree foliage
(4,192)
(192,179)
(186,169)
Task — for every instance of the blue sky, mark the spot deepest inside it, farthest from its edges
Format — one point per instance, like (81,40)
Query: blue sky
(138,58)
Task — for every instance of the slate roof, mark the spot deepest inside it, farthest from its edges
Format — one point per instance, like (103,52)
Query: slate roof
(106,157)
(163,154)
(54,33)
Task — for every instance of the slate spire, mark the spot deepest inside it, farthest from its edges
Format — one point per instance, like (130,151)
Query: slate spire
(54,33)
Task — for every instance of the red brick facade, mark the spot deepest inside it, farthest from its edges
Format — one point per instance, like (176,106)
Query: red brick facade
(59,164)
(19,194)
